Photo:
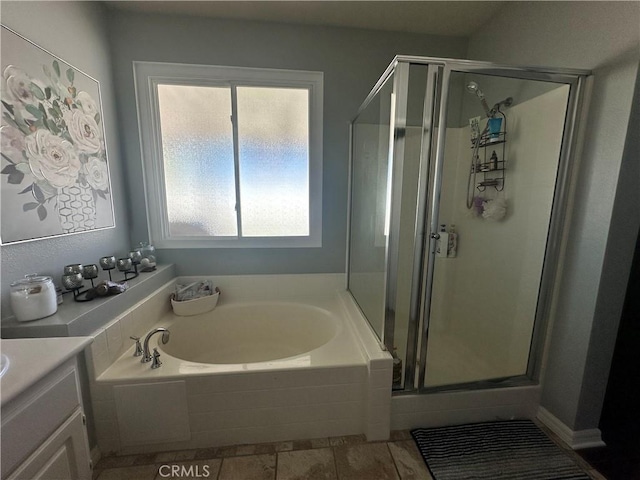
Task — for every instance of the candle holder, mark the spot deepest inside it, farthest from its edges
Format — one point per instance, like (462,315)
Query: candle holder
(74,283)
(148,252)
(124,265)
(75,274)
(108,264)
(135,257)
(89,272)
(73,269)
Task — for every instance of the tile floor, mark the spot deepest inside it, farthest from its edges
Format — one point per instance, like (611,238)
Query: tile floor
(335,458)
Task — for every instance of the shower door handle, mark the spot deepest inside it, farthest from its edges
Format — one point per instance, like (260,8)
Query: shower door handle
(435,236)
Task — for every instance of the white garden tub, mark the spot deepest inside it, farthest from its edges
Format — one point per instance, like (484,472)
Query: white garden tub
(255,332)
(280,358)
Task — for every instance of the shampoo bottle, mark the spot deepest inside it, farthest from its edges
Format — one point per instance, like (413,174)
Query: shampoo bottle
(494,161)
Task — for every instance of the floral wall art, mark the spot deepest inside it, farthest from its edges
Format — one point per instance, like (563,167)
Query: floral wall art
(54,176)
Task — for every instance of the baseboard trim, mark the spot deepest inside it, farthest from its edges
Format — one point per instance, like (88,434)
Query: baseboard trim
(96,455)
(575,439)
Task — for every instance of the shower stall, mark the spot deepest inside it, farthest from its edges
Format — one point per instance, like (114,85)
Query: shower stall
(458,190)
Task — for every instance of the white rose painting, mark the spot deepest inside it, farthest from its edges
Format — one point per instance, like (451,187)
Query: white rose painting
(54,177)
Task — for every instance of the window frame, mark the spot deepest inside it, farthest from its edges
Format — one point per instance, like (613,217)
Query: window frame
(148,75)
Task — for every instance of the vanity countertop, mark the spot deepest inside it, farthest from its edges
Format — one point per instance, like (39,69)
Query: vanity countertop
(30,359)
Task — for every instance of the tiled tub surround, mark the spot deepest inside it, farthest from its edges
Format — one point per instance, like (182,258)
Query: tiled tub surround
(340,388)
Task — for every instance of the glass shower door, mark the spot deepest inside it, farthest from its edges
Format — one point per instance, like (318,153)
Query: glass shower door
(391,144)
(370,190)
(458,192)
(494,186)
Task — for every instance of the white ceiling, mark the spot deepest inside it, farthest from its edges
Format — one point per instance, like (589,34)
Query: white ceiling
(460,18)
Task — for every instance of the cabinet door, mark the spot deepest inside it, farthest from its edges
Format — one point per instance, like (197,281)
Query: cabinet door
(65,454)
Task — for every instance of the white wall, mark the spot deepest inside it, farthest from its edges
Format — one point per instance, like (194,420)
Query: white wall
(604,37)
(76,32)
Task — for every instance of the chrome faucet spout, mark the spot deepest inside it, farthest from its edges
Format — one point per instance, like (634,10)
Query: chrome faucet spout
(146,355)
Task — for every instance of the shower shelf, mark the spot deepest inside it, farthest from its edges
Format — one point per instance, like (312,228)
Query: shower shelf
(493,173)
(488,141)
(488,167)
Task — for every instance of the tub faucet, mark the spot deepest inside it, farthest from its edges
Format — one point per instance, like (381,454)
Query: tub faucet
(138,349)
(146,355)
(156,363)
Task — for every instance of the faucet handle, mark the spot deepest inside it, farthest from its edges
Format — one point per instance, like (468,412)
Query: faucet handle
(156,363)
(138,349)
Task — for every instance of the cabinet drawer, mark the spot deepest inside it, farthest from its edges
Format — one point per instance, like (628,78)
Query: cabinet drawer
(65,455)
(37,415)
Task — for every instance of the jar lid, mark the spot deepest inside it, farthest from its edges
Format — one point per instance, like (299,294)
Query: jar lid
(32,279)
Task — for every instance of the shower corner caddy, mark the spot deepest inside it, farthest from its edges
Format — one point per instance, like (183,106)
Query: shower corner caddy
(493,173)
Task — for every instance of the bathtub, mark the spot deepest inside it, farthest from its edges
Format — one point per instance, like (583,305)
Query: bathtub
(252,333)
(280,358)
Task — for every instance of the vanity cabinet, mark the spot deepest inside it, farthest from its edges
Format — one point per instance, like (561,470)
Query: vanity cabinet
(43,430)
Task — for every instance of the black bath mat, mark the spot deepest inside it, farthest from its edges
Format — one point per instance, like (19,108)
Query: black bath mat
(510,450)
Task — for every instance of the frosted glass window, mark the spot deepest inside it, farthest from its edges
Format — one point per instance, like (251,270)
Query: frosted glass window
(197,151)
(232,156)
(273,138)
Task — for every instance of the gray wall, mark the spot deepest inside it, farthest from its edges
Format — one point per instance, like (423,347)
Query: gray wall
(604,37)
(352,61)
(76,32)
(615,271)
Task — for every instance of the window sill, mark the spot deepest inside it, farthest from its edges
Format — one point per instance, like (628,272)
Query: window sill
(233,242)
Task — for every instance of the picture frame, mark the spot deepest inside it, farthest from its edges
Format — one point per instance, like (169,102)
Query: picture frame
(54,172)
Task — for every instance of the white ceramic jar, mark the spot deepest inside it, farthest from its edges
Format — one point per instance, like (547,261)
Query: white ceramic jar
(33,297)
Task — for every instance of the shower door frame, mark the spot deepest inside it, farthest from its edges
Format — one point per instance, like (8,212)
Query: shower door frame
(439,71)
(575,79)
(397,128)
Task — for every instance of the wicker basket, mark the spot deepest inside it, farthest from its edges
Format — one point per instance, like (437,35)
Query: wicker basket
(196,306)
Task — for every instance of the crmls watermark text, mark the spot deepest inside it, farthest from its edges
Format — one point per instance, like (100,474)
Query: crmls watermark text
(184,471)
